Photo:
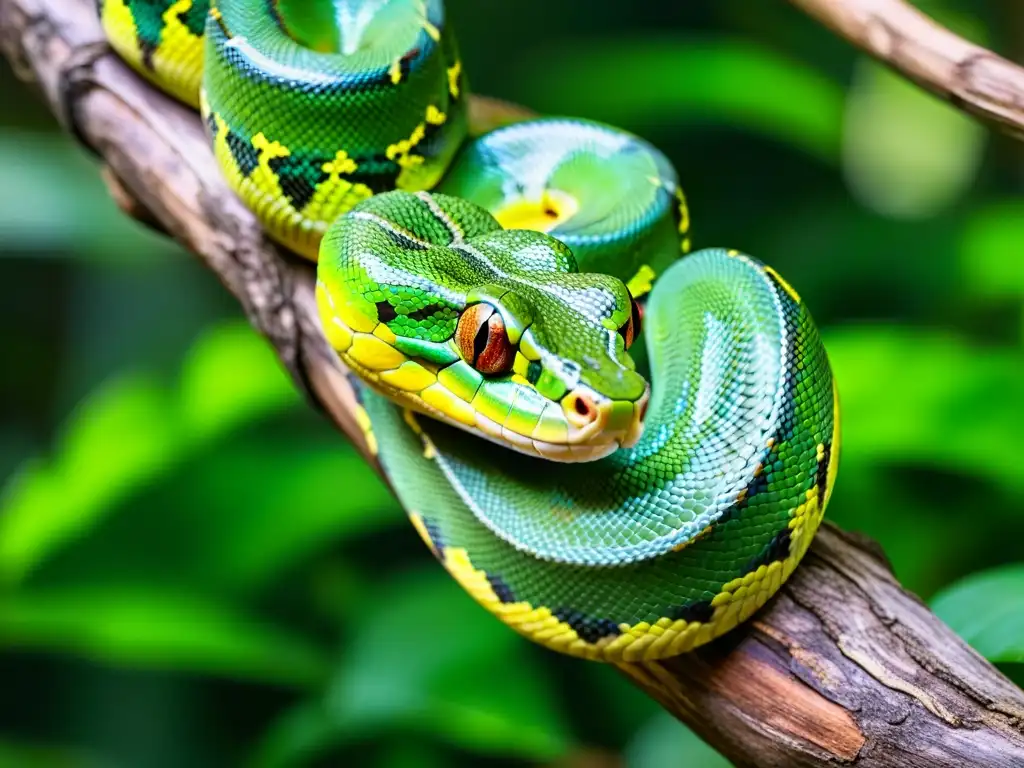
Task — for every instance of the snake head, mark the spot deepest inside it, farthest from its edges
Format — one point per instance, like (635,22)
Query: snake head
(437,307)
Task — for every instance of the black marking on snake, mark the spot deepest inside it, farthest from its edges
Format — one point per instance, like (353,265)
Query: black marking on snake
(376,172)
(397,235)
(219,19)
(149,24)
(193,18)
(533,371)
(437,544)
(373,80)
(821,478)
(786,424)
(147,48)
(433,142)
(299,174)
(781,288)
(243,152)
(385,312)
(376,181)
(700,610)
(678,207)
(776,549)
(757,485)
(380,78)
(357,385)
(501,590)
(411,60)
(211,125)
(473,259)
(424,313)
(589,629)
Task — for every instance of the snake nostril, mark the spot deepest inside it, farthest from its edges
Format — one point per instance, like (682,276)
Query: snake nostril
(581,409)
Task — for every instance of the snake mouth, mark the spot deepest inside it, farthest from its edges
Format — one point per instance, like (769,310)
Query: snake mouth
(596,428)
(593,427)
(593,419)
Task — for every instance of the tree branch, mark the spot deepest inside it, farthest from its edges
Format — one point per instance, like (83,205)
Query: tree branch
(842,667)
(972,78)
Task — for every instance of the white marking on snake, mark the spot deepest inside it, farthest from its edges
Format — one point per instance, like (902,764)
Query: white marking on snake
(402,234)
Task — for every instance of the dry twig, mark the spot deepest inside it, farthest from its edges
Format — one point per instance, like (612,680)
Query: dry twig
(974,79)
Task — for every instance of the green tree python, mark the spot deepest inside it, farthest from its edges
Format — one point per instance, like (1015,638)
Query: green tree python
(609,501)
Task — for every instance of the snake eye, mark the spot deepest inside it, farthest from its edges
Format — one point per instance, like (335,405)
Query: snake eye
(630,329)
(483,341)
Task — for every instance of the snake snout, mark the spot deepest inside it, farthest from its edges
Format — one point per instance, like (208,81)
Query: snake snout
(596,420)
(636,425)
(580,409)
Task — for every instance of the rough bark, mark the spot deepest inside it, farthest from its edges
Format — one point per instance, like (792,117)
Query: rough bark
(842,667)
(972,78)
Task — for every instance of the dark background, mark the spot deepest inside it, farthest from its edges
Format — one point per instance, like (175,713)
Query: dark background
(197,570)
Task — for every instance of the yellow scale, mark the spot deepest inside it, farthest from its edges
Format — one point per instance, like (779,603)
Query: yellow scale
(367,345)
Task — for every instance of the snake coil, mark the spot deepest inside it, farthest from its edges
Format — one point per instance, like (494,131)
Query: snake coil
(608,499)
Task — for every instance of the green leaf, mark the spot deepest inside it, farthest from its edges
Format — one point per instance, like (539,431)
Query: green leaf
(987,610)
(240,533)
(232,519)
(300,733)
(230,376)
(52,202)
(247,532)
(22,755)
(990,250)
(427,657)
(627,707)
(906,154)
(305,735)
(117,439)
(931,398)
(667,743)
(130,432)
(651,80)
(158,629)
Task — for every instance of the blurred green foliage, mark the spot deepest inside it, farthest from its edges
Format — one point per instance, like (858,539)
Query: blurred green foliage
(197,570)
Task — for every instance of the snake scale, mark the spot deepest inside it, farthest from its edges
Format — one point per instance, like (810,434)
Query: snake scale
(610,500)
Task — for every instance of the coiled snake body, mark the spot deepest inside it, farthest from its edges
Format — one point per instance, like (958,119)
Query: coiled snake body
(610,501)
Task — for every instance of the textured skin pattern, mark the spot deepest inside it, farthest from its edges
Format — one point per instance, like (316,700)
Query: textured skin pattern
(657,549)
(610,196)
(612,530)
(311,107)
(396,274)
(163,41)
